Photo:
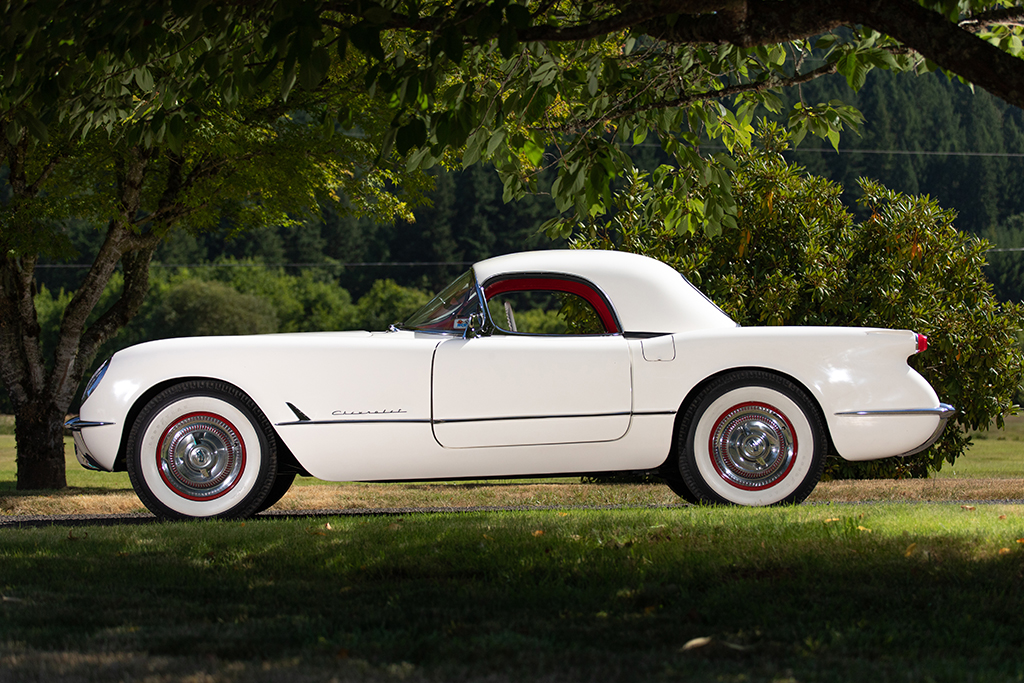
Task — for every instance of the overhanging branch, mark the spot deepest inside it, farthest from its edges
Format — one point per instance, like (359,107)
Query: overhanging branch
(694,98)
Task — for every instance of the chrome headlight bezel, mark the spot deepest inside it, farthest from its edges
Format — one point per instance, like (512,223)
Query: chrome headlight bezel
(95,379)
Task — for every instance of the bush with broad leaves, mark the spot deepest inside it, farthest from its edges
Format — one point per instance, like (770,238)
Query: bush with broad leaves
(798,256)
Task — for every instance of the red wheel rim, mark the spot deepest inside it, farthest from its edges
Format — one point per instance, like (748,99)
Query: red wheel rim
(201,456)
(753,446)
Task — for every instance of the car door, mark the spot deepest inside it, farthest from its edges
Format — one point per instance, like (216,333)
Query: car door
(521,388)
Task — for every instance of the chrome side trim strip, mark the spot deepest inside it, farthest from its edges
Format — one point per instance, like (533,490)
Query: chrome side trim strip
(77,424)
(944,411)
(526,417)
(470,419)
(346,422)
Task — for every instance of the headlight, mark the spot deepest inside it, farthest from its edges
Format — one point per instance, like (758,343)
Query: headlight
(95,379)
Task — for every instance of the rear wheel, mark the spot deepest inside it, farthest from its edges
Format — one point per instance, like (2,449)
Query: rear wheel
(202,449)
(674,480)
(752,438)
(282,483)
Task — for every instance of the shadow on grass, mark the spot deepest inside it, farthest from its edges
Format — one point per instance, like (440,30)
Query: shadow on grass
(9,488)
(559,596)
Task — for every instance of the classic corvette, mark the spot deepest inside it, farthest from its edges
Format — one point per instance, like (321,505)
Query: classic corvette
(629,369)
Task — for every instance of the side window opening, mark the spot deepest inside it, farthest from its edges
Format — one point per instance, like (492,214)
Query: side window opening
(547,305)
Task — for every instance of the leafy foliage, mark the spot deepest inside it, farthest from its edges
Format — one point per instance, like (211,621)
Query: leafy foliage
(798,257)
(193,308)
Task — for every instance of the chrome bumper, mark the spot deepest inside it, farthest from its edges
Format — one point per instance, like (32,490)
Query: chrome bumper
(75,425)
(943,412)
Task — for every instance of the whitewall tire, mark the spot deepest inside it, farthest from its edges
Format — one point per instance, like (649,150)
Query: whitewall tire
(202,449)
(752,438)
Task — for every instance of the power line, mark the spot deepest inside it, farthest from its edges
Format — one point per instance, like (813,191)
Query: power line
(899,152)
(368,264)
(911,152)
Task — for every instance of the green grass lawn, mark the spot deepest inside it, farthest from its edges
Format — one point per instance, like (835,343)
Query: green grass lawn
(839,593)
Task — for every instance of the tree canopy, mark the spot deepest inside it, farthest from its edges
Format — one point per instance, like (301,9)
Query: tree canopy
(497,79)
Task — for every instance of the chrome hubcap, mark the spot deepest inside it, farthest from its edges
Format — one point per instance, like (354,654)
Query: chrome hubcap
(753,446)
(201,456)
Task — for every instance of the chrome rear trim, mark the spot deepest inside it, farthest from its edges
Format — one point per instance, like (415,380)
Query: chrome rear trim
(944,412)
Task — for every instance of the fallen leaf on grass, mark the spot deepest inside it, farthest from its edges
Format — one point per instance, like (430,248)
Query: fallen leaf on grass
(538,532)
(863,528)
(1004,551)
(694,643)
(910,550)
(1020,540)
(832,519)
(967,507)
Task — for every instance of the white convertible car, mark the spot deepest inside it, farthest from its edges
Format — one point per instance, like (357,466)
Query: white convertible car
(631,369)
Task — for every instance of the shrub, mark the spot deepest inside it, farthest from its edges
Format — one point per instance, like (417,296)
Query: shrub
(798,257)
(198,308)
(386,303)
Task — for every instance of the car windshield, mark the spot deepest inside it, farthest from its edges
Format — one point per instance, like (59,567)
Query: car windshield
(449,311)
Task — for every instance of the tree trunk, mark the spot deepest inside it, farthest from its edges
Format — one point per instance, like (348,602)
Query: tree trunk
(39,440)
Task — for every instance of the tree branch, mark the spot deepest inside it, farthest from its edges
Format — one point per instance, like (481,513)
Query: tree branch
(1008,16)
(694,98)
(133,295)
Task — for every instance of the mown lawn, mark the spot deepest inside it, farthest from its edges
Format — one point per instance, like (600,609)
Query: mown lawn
(841,593)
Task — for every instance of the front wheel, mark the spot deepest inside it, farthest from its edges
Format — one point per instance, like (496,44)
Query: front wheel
(201,449)
(752,438)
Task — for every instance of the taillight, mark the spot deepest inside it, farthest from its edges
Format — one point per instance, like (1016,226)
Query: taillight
(922,343)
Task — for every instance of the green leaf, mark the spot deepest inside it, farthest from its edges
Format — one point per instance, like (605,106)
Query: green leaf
(518,16)
(377,15)
(34,125)
(314,68)
(451,43)
(533,151)
(833,137)
(144,79)
(366,38)
(412,134)
(288,78)
(508,41)
(474,148)
(495,142)
(342,45)
(13,132)
(825,42)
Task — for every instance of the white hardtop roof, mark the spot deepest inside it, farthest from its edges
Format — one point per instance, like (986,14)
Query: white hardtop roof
(647,295)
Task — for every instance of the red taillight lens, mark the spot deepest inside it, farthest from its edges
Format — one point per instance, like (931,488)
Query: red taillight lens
(922,343)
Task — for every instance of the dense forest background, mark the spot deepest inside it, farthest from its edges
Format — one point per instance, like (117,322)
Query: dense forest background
(921,135)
